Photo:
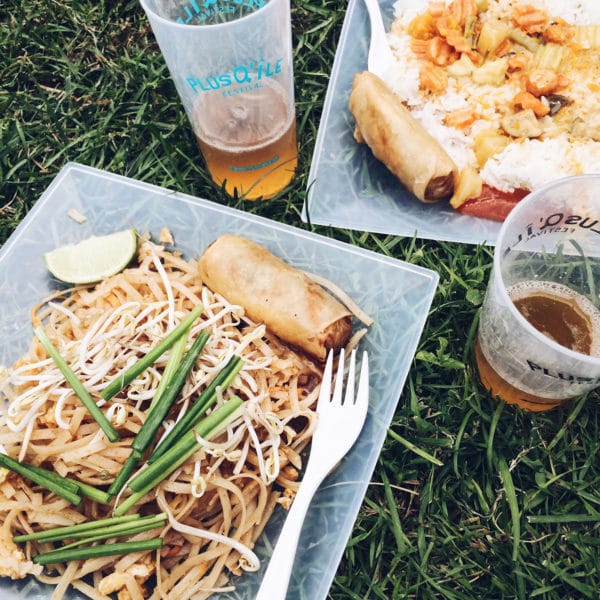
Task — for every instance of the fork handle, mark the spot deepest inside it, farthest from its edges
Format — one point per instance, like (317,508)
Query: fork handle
(277,576)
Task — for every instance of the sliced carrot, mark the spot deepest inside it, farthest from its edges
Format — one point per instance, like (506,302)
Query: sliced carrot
(518,61)
(462,9)
(440,53)
(529,18)
(436,9)
(526,100)
(461,118)
(432,79)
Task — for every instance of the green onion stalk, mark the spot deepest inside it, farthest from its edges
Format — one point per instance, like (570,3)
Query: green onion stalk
(186,446)
(158,411)
(197,410)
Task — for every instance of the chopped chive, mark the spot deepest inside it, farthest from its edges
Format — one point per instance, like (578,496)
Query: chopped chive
(77,386)
(204,401)
(54,476)
(72,531)
(175,357)
(77,487)
(150,477)
(41,477)
(129,374)
(120,530)
(158,412)
(61,556)
(94,493)
(125,472)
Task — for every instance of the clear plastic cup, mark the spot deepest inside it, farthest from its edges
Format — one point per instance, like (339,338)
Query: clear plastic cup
(231,61)
(538,339)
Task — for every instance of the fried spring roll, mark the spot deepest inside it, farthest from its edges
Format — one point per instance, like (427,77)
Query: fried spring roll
(399,141)
(272,292)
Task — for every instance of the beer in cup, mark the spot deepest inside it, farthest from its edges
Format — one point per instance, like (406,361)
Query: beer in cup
(231,61)
(538,338)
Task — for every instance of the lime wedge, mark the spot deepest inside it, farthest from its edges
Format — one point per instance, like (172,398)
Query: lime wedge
(94,258)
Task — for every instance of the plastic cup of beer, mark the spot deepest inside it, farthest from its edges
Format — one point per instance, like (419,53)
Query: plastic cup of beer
(231,62)
(538,338)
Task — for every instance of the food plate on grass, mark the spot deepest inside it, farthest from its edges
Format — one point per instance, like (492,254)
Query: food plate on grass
(82,202)
(504,91)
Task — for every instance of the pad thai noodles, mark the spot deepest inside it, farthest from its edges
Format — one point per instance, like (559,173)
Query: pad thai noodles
(218,501)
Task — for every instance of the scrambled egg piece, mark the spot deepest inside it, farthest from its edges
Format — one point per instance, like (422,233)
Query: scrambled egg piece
(117,581)
(13,562)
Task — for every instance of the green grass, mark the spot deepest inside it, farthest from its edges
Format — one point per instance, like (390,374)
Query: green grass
(470,499)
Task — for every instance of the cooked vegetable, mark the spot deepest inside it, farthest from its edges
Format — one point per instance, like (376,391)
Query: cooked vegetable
(492,34)
(587,36)
(549,56)
(522,124)
(469,186)
(463,67)
(521,38)
(89,532)
(489,142)
(588,128)
(199,407)
(556,102)
(492,72)
(73,531)
(159,408)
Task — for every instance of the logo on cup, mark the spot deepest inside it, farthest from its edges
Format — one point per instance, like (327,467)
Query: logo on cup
(249,76)
(202,11)
(557,222)
(556,374)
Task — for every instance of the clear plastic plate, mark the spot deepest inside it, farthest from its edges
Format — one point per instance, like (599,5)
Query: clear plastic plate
(347,186)
(397,295)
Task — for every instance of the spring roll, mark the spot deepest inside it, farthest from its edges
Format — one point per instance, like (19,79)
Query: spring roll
(399,141)
(272,292)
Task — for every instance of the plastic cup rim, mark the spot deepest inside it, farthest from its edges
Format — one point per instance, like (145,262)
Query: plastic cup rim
(498,280)
(212,26)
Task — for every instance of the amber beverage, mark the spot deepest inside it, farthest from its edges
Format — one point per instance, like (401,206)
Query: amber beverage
(231,62)
(562,315)
(500,388)
(538,337)
(249,142)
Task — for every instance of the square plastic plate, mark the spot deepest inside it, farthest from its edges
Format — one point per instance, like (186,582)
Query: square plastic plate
(348,187)
(397,295)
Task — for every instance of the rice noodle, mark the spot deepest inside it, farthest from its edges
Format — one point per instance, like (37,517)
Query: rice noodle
(219,501)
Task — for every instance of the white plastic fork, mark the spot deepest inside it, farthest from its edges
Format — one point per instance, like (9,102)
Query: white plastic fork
(380,57)
(338,428)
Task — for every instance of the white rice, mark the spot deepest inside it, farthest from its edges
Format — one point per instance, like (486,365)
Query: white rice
(532,163)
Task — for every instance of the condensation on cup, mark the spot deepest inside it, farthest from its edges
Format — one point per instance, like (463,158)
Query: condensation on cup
(231,62)
(538,338)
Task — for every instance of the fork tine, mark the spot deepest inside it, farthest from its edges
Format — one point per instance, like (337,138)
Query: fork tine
(325,391)
(339,381)
(350,383)
(363,380)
